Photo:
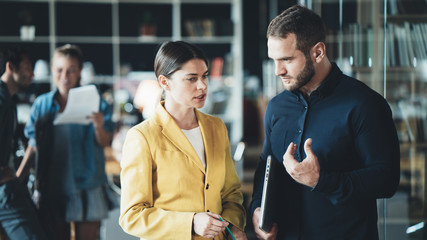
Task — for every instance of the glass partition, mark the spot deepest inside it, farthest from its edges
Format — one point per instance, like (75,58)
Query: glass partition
(384,44)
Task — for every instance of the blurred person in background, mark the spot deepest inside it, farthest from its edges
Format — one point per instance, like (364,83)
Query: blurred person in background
(18,216)
(71,183)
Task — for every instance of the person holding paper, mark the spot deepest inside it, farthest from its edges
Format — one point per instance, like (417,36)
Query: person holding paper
(71,181)
(333,137)
(178,179)
(18,217)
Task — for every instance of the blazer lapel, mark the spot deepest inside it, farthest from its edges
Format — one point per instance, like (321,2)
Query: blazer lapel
(208,139)
(172,132)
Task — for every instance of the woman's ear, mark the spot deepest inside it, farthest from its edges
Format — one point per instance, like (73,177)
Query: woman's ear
(163,82)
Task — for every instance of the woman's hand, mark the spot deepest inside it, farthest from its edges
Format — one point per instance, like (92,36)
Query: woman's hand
(238,234)
(97,119)
(103,138)
(208,225)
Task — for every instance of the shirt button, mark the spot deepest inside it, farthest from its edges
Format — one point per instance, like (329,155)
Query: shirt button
(299,130)
(207,186)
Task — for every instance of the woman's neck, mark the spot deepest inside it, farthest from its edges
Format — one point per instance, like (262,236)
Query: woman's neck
(62,101)
(185,118)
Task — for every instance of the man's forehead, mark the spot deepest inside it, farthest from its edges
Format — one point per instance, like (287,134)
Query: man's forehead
(280,46)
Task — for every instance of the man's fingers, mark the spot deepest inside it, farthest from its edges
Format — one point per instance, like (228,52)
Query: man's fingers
(289,160)
(291,149)
(307,147)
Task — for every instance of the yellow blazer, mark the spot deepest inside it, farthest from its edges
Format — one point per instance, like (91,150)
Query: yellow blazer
(164,183)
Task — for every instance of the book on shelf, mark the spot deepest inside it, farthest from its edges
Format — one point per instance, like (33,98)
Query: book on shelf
(419,42)
(361,44)
(391,48)
(200,28)
(409,42)
(369,46)
(406,44)
(402,42)
(392,4)
(189,28)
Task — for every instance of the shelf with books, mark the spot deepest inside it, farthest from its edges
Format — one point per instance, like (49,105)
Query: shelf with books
(406,80)
(122,35)
(406,43)
(206,19)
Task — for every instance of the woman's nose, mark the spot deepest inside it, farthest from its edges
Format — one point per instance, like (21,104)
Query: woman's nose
(202,84)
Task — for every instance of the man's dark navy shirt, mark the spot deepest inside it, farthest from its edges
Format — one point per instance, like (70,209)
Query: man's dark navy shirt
(7,124)
(355,141)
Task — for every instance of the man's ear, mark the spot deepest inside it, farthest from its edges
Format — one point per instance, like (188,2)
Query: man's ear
(10,67)
(319,51)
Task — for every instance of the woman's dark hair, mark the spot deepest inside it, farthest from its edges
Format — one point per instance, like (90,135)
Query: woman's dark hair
(307,26)
(12,54)
(172,55)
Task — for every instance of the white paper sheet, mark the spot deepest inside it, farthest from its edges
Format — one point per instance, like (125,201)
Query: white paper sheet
(82,102)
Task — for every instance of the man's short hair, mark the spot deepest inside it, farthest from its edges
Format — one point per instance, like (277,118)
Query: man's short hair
(307,26)
(12,54)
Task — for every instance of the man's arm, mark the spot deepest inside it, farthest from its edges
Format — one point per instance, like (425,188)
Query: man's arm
(26,162)
(377,147)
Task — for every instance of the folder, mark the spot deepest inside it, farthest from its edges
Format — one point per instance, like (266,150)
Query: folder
(266,217)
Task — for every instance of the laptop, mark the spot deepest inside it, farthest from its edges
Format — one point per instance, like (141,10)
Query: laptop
(266,217)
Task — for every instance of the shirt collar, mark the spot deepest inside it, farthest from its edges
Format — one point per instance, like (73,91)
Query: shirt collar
(327,86)
(330,82)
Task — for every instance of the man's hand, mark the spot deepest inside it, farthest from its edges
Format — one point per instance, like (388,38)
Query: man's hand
(7,174)
(260,234)
(306,172)
(208,225)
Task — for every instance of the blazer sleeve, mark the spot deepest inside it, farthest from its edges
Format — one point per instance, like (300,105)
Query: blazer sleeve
(138,216)
(232,197)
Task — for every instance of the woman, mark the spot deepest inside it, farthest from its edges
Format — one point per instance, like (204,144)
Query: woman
(178,179)
(71,163)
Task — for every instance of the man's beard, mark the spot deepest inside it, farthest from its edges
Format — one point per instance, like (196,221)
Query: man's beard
(304,76)
(22,84)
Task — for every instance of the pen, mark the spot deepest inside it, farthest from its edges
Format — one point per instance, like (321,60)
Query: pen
(220,218)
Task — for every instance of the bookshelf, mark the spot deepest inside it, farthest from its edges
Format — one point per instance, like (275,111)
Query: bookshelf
(124,36)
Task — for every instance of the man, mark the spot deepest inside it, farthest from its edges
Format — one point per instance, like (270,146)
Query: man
(334,136)
(17,212)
